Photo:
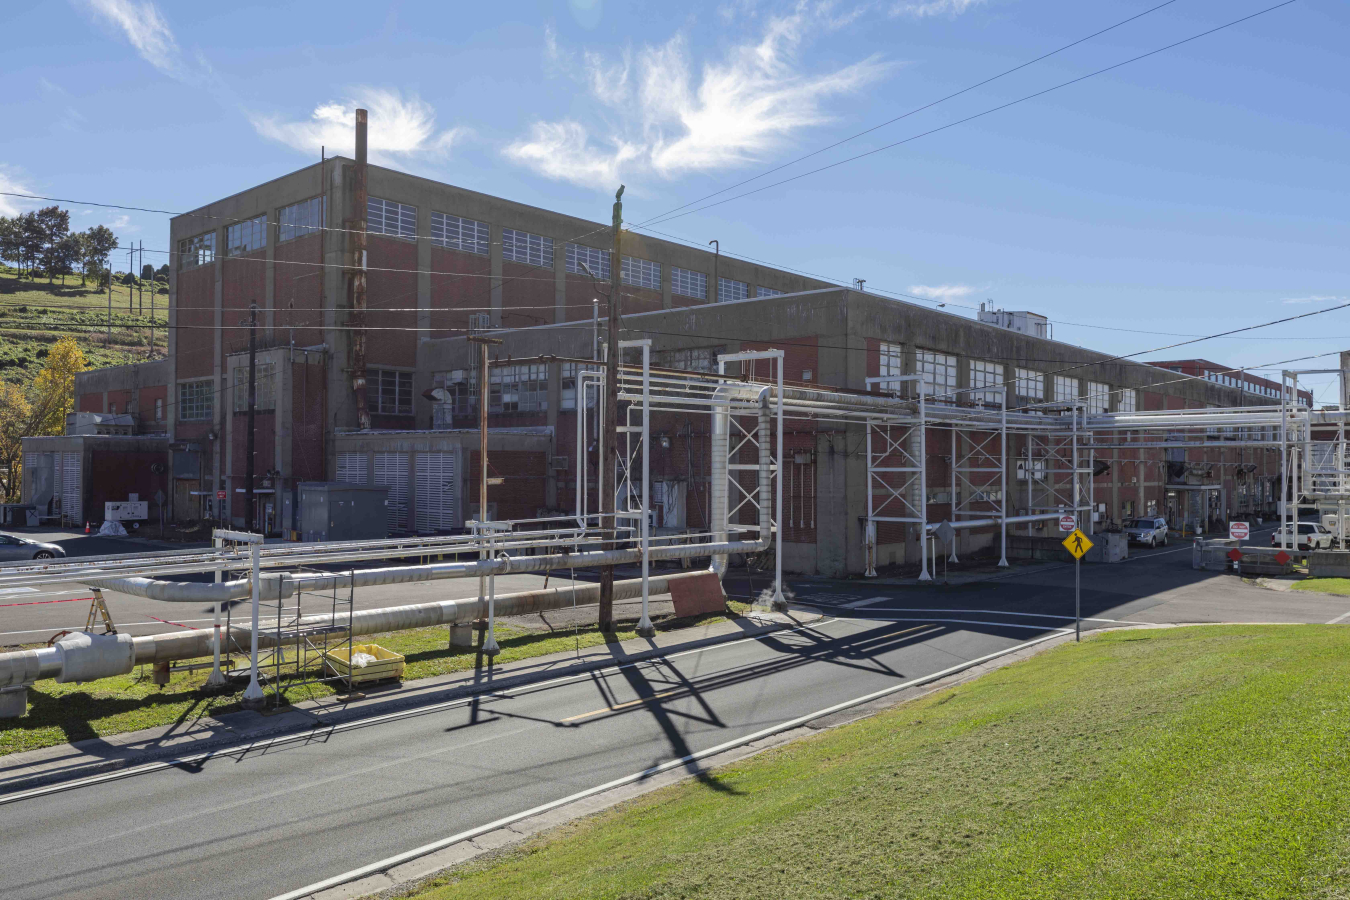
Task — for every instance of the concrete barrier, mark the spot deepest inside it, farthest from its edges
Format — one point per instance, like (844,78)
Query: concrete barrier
(1329,564)
(1107,547)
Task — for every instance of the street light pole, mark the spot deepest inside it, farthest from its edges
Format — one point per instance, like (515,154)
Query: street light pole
(716,285)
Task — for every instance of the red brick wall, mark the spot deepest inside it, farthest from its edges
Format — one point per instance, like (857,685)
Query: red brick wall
(91,403)
(264,442)
(243,282)
(297,280)
(115,474)
(147,402)
(522,493)
(391,300)
(195,319)
(528,295)
(461,286)
(639,300)
(579,292)
(307,406)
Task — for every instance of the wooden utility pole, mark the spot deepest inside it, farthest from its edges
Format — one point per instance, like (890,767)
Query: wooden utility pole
(252,409)
(484,396)
(358,319)
(608,521)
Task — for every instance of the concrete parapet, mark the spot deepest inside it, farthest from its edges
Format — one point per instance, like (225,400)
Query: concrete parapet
(1329,564)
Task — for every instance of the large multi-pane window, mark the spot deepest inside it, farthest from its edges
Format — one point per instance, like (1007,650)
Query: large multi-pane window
(729,289)
(642,273)
(389,392)
(1030,385)
(937,374)
(518,389)
(986,375)
(688,283)
(567,389)
(196,400)
(265,382)
(580,258)
(1098,397)
(197,251)
(1128,401)
(523,247)
(300,219)
(892,363)
(388,217)
(762,291)
(246,236)
(457,233)
(688,359)
(1066,389)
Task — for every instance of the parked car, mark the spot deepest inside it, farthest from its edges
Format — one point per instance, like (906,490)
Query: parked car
(1151,531)
(14,547)
(1311,536)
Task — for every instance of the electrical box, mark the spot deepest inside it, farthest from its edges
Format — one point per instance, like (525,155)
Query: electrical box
(336,511)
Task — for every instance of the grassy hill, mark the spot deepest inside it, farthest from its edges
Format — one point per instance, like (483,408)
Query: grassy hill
(35,314)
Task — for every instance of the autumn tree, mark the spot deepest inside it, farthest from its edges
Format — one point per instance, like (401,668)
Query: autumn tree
(52,395)
(15,415)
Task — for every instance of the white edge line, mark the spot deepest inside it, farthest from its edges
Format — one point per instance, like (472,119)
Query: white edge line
(148,768)
(1000,612)
(1339,619)
(441,844)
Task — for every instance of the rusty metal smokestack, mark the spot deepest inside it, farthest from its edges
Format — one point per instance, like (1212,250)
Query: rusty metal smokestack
(358,317)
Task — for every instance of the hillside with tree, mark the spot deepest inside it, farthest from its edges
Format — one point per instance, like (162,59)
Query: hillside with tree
(63,309)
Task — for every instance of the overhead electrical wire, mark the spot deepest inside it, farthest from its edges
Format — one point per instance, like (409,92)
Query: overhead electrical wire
(979,115)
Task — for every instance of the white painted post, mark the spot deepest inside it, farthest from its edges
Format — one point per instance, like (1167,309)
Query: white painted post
(1003,482)
(253,695)
(216,678)
(644,626)
(924,574)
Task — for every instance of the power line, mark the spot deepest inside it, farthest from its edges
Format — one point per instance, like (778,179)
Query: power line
(971,118)
(917,109)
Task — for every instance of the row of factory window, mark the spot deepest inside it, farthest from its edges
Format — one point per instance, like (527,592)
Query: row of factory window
(937,379)
(458,233)
(388,392)
(1227,379)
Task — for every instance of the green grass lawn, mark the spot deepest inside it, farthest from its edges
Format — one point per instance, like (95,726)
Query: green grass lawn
(1189,762)
(1324,585)
(60,713)
(35,314)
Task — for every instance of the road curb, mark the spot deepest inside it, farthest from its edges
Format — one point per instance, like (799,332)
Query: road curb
(407,875)
(332,717)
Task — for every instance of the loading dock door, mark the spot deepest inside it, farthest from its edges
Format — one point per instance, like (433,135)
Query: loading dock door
(436,492)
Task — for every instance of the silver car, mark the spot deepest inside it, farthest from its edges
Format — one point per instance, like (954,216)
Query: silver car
(1151,531)
(13,547)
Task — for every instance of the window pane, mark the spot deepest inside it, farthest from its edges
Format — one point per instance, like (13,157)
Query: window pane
(245,237)
(455,233)
(687,283)
(197,251)
(986,374)
(300,219)
(729,289)
(523,247)
(388,217)
(642,273)
(937,372)
(195,400)
(596,260)
(762,291)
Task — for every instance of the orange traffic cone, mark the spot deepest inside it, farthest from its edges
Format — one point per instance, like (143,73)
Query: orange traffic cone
(86,526)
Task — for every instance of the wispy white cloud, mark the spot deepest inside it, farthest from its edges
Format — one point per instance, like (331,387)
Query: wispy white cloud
(145,28)
(400,126)
(920,9)
(669,116)
(943,293)
(120,221)
(10,183)
(1315,298)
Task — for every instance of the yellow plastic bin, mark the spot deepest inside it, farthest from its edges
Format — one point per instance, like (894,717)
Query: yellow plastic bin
(386,664)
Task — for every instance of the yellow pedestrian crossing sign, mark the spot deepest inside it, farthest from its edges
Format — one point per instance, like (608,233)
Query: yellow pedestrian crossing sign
(1077,544)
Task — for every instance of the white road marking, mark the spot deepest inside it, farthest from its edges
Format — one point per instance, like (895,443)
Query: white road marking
(22,590)
(868,602)
(441,844)
(1000,612)
(1339,619)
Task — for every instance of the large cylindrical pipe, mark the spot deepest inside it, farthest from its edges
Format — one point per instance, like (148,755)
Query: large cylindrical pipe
(24,667)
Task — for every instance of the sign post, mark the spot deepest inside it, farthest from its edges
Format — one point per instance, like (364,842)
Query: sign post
(1077,544)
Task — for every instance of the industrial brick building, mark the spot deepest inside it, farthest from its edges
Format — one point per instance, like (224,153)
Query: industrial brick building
(443,260)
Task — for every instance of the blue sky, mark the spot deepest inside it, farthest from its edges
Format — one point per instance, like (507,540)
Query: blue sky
(1202,188)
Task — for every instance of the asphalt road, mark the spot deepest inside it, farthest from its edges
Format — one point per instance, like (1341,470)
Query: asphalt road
(254,826)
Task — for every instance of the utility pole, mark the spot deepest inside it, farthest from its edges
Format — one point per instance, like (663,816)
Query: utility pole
(108,342)
(358,319)
(611,436)
(140,282)
(252,408)
(717,255)
(490,647)
(131,271)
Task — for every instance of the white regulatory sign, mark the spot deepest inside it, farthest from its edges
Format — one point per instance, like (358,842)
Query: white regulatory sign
(1067,523)
(1239,531)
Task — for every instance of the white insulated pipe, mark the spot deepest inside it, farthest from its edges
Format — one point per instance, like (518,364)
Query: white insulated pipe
(86,657)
